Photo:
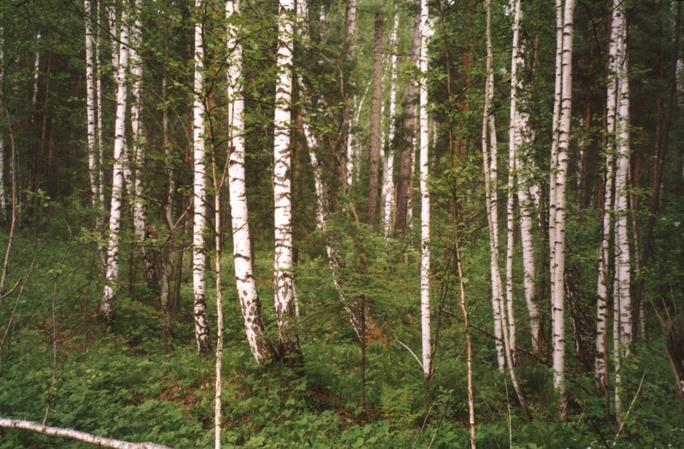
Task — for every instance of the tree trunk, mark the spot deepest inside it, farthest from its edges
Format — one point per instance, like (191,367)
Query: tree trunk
(245,282)
(283,282)
(112,260)
(98,108)
(199,191)
(520,138)
(558,234)
(408,142)
(388,187)
(90,108)
(621,296)
(424,192)
(602,288)
(489,169)
(140,225)
(75,435)
(376,123)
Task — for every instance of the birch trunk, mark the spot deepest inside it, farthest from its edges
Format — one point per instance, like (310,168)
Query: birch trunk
(622,261)
(521,135)
(90,107)
(98,108)
(407,160)
(199,190)
(245,282)
(140,226)
(283,282)
(424,193)
(489,168)
(345,156)
(511,185)
(555,129)
(36,72)
(469,347)
(621,297)
(558,235)
(75,435)
(376,123)
(218,364)
(601,361)
(112,260)
(388,189)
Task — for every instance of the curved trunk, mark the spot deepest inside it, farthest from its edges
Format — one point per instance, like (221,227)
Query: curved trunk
(489,168)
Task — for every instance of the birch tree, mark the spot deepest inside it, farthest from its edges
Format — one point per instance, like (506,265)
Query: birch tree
(98,107)
(424,192)
(90,107)
(622,322)
(112,259)
(245,282)
(602,289)
(557,198)
(407,158)
(376,122)
(489,168)
(138,145)
(520,138)
(283,282)
(388,187)
(199,189)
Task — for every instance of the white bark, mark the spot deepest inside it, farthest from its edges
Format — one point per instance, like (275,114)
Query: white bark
(622,262)
(283,281)
(388,187)
(622,322)
(353,144)
(75,435)
(425,194)
(489,168)
(558,234)
(520,138)
(245,282)
(601,361)
(91,131)
(137,131)
(218,362)
(199,191)
(511,185)
(98,108)
(555,129)
(409,198)
(112,260)
(36,73)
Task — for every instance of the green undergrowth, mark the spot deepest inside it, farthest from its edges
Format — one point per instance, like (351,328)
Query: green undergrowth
(119,381)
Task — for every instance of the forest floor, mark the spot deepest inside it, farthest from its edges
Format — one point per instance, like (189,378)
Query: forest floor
(60,363)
